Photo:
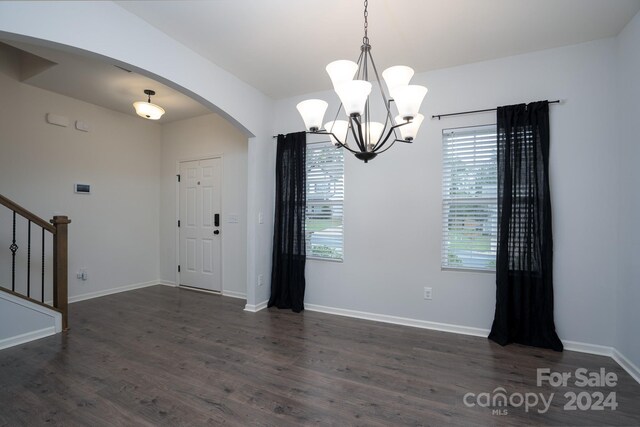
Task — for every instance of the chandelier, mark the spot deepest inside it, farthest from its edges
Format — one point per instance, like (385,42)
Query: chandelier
(351,81)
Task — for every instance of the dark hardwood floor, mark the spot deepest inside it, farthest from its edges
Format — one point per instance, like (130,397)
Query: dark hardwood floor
(166,356)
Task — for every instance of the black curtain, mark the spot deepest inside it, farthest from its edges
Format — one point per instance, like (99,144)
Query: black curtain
(524,270)
(289,250)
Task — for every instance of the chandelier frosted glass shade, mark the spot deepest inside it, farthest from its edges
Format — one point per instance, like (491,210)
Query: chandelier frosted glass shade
(408,99)
(409,130)
(341,71)
(398,75)
(147,109)
(354,95)
(312,112)
(339,128)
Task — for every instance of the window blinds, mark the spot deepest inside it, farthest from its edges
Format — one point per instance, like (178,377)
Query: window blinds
(324,226)
(469,198)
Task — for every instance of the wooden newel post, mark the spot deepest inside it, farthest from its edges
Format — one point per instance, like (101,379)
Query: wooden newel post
(60,269)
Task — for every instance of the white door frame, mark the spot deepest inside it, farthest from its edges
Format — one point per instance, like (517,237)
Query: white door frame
(222,216)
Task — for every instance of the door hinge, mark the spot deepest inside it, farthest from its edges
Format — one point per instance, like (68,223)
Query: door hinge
(178,177)
(178,223)
(178,269)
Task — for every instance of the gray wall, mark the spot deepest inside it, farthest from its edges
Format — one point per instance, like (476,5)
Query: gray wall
(628,314)
(114,230)
(393,217)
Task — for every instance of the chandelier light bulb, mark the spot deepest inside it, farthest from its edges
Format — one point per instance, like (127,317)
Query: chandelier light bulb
(341,71)
(312,112)
(353,95)
(338,128)
(408,99)
(398,75)
(374,132)
(410,130)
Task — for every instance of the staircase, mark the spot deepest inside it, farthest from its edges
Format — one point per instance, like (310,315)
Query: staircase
(34,243)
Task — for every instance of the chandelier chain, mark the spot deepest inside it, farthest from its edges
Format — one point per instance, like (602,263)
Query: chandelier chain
(365,39)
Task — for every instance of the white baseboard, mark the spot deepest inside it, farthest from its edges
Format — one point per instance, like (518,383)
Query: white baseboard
(91,295)
(234,294)
(405,321)
(581,347)
(596,349)
(167,283)
(29,336)
(255,308)
(626,364)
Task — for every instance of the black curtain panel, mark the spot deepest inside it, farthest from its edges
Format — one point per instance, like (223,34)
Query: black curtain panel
(289,249)
(524,270)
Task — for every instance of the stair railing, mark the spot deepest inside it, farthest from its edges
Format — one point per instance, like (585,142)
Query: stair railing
(58,229)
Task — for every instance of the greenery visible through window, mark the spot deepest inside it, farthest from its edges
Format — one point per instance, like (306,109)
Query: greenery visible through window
(469,198)
(325,197)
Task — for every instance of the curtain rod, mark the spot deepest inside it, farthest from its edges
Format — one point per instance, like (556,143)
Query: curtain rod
(439,116)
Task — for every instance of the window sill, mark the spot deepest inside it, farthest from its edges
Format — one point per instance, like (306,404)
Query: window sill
(317,258)
(467,270)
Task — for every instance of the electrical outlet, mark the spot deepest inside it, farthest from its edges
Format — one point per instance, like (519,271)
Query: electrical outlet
(428,293)
(260,280)
(82,274)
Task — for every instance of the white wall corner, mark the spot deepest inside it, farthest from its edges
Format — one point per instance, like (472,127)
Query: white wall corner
(626,364)
(257,307)
(167,283)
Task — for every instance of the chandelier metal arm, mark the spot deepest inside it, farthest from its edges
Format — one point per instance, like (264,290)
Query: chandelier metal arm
(390,145)
(382,142)
(387,104)
(340,143)
(358,137)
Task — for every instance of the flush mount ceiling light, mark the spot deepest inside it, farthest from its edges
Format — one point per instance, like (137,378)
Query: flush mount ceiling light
(147,109)
(351,84)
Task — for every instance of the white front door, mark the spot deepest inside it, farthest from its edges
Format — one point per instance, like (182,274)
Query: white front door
(200,220)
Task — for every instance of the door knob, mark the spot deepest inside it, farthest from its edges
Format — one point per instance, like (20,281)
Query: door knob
(216,232)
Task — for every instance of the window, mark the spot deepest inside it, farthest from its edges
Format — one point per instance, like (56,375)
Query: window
(325,198)
(469,198)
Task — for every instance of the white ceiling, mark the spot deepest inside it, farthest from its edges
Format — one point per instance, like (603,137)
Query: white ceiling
(98,82)
(282,46)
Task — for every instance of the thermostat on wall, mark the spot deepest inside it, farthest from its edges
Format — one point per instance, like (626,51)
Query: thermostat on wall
(82,188)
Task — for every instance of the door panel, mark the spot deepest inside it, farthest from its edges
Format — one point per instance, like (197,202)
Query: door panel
(200,200)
